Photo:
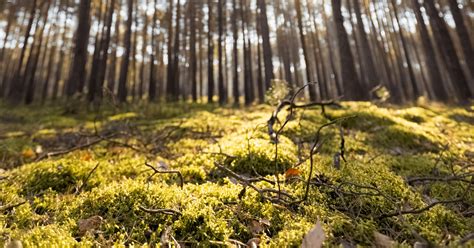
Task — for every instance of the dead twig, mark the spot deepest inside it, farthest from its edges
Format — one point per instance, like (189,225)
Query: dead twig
(11,206)
(466,238)
(165,211)
(156,171)
(87,178)
(419,210)
(459,178)
(431,205)
(79,147)
(248,183)
(313,150)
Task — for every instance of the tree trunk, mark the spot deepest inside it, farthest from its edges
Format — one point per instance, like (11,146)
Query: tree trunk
(311,88)
(266,46)
(192,49)
(77,74)
(62,54)
(235,55)
(210,55)
(34,55)
(353,89)
(220,74)
(430,58)
(16,86)
(122,87)
(445,43)
(152,81)
(463,34)
(414,85)
(366,52)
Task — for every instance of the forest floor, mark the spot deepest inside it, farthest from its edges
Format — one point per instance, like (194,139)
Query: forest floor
(202,175)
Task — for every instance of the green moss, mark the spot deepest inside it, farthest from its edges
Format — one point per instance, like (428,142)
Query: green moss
(254,153)
(383,147)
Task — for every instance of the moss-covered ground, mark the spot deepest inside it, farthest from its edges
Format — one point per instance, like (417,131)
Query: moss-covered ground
(406,175)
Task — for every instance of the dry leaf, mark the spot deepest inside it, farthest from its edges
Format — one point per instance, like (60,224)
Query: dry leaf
(87,156)
(89,224)
(14,243)
(256,227)
(253,242)
(292,172)
(315,237)
(28,153)
(382,241)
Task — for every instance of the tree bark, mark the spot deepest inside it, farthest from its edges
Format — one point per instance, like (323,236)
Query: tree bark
(266,46)
(430,57)
(445,44)
(353,89)
(463,35)
(122,84)
(77,74)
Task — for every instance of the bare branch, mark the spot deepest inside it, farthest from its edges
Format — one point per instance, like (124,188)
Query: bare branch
(11,206)
(156,171)
(165,211)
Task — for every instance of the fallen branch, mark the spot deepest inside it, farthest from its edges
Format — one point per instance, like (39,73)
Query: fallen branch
(467,238)
(419,210)
(79,147)
(248,183)
(156,171)
(165,211)
(11,206)
(459,178)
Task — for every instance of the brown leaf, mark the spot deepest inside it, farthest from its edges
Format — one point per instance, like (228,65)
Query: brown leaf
(256,227)
(14,243)
(87,156)
(89,225)
(382,241)
(315,237)
(292,172)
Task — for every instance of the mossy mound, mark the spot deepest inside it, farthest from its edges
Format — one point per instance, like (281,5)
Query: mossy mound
(253,153)
(389,152)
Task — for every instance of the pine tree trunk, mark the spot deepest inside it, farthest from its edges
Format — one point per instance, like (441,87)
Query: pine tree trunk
(77,74)
(430,58)
(353,89)
(122,84)
(445,44)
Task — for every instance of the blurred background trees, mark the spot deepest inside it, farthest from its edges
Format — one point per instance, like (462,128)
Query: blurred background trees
(231,50)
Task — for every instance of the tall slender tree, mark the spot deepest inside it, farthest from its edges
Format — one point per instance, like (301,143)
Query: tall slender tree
(210,55)
(448,51)
(220,41)
(16,86)
(266,46)
(463,34)
(122,84)
(353,89)
(77,73)
(430,57)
